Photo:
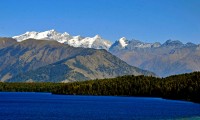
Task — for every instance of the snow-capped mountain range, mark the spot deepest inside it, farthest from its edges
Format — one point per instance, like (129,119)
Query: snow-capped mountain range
(96,42)
(77,41)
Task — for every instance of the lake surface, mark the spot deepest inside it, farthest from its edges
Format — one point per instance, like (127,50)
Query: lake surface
(45,106)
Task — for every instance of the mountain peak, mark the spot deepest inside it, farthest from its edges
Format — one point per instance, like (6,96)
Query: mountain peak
(139,44)
(65,34)
(123,42)
(28,32)
(77,37)
(52,30)
(172,43)
(190,44)
(49,31)
(97,37)
(123,38)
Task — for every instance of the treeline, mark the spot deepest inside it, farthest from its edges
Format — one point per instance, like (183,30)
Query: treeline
(181,87)
(30,87)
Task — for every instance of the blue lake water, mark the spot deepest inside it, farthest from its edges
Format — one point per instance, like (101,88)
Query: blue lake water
(45,106)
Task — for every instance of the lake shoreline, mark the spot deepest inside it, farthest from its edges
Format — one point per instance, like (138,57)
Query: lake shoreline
(133,96)
(150,97)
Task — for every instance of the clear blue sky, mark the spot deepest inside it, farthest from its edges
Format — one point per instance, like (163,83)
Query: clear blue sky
(145,20)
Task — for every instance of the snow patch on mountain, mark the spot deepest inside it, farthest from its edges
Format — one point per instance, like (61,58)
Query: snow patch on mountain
(123,42)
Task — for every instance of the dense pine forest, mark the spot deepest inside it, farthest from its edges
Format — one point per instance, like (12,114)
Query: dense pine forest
(181,87)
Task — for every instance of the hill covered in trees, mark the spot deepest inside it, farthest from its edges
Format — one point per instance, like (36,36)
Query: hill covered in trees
(181,87)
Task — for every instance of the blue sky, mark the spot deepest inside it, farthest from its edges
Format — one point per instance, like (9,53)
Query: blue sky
(145,20)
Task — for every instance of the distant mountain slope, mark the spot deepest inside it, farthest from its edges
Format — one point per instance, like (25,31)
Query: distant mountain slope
(91,64)
(169,58)
(55,59)
(76,41)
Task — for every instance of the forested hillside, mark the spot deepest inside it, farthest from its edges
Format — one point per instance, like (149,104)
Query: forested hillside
(181,87)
